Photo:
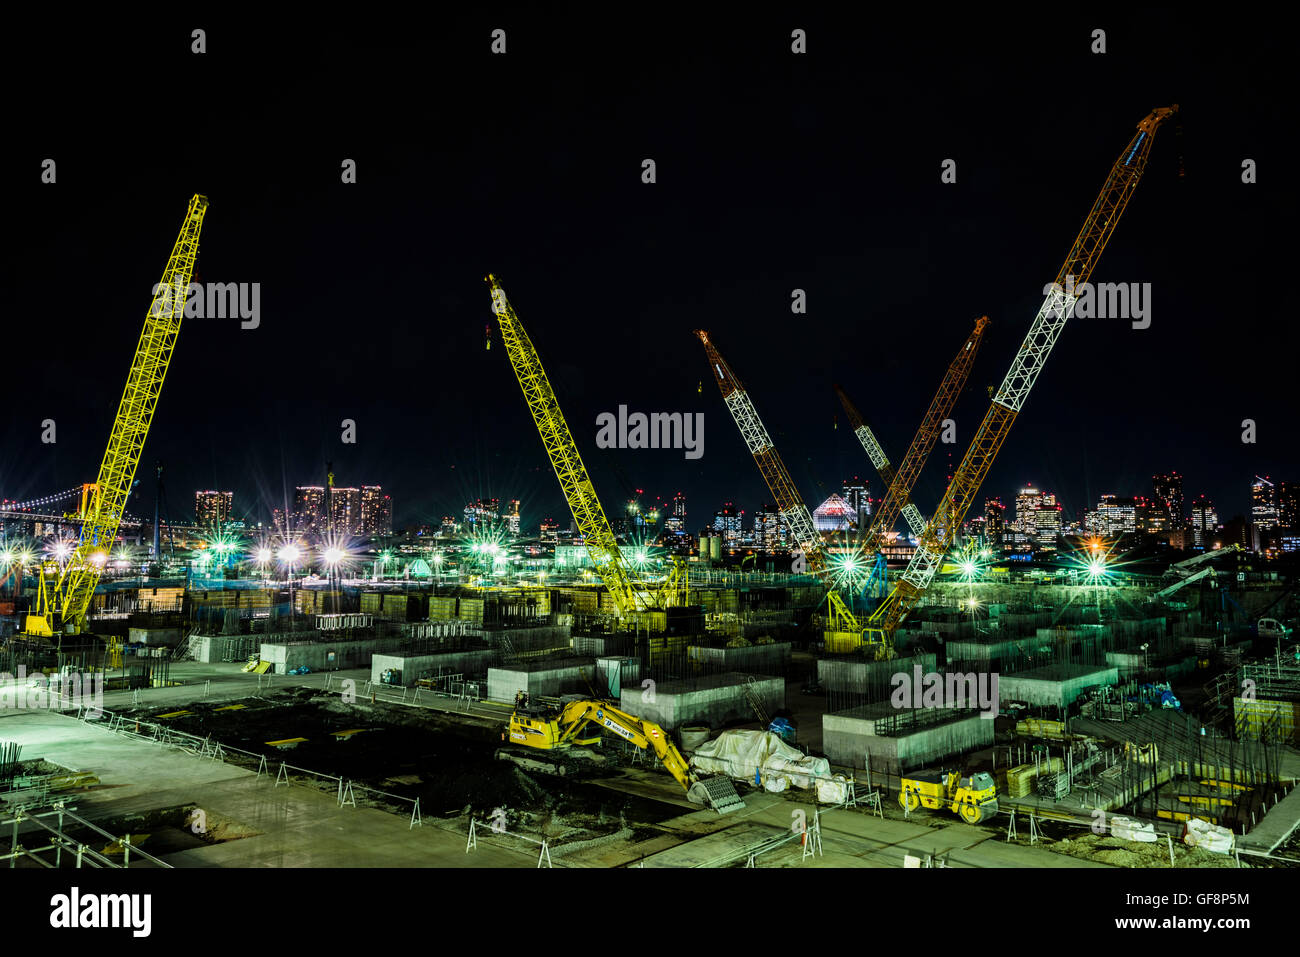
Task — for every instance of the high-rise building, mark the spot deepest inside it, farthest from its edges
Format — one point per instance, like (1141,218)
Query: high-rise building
(212,508)
(550,530)
(1028,501)
(1205,521)
(995,517)
(1151,515)
(1113,517)
(486,510)
(1168,491)
(376,512)
(679,505)
(855,494)
(449,526)
(726,521)
(675,520)
(309,516)
(1048,523)
(1288,505)
(1264,510)
(512,517)
(770,531)
(345,510)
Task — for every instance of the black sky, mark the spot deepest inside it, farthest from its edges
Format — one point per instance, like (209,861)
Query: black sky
(775,172)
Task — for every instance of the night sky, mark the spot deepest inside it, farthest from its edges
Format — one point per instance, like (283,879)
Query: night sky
(775,172)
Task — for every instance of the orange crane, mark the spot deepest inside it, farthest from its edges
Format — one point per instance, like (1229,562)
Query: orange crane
(900,483)
(843,628)
(1028,363)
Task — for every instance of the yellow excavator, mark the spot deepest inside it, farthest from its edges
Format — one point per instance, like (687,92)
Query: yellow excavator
(556,738)
(974,799)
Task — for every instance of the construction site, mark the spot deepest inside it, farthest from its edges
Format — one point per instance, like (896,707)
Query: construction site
(673,711)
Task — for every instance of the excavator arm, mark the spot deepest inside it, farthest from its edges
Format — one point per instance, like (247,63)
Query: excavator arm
(644,734)
(718,793)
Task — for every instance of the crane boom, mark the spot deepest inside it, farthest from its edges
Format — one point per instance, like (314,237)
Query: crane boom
(868,438)
(103,512)
(1025,368)
(871,446)
(788,500)
(897,498)
(584,504)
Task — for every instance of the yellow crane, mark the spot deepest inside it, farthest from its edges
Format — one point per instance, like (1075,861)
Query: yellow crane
(1028,363)
(843,628)
(899,483)
(68,597)
(629,594)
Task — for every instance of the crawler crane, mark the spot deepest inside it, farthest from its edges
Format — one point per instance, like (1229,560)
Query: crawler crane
(62,606)
(941,532)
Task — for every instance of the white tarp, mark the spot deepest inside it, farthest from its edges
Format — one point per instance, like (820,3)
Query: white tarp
(1200,833)
(834,791)
(739,754)
(1131,830)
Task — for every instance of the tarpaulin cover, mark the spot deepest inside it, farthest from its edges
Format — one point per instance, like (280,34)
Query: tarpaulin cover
(1200,833)
(1131,830)
(834,791)
(739,754)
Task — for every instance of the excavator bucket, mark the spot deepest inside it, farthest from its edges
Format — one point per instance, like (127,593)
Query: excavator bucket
(718,793)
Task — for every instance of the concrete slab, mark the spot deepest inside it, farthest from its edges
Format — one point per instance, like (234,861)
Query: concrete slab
(300,826)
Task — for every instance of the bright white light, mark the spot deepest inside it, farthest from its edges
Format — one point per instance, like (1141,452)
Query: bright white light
(289,554)
(263,555)
(98,559)
(62,550)
(333,556)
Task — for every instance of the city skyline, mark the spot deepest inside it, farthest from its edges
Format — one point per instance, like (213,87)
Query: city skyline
(1116,405)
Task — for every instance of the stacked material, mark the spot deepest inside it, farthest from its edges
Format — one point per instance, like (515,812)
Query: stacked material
(1055,785)
(1020,780)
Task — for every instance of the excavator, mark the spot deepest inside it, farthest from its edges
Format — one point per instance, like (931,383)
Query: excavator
(556,739)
